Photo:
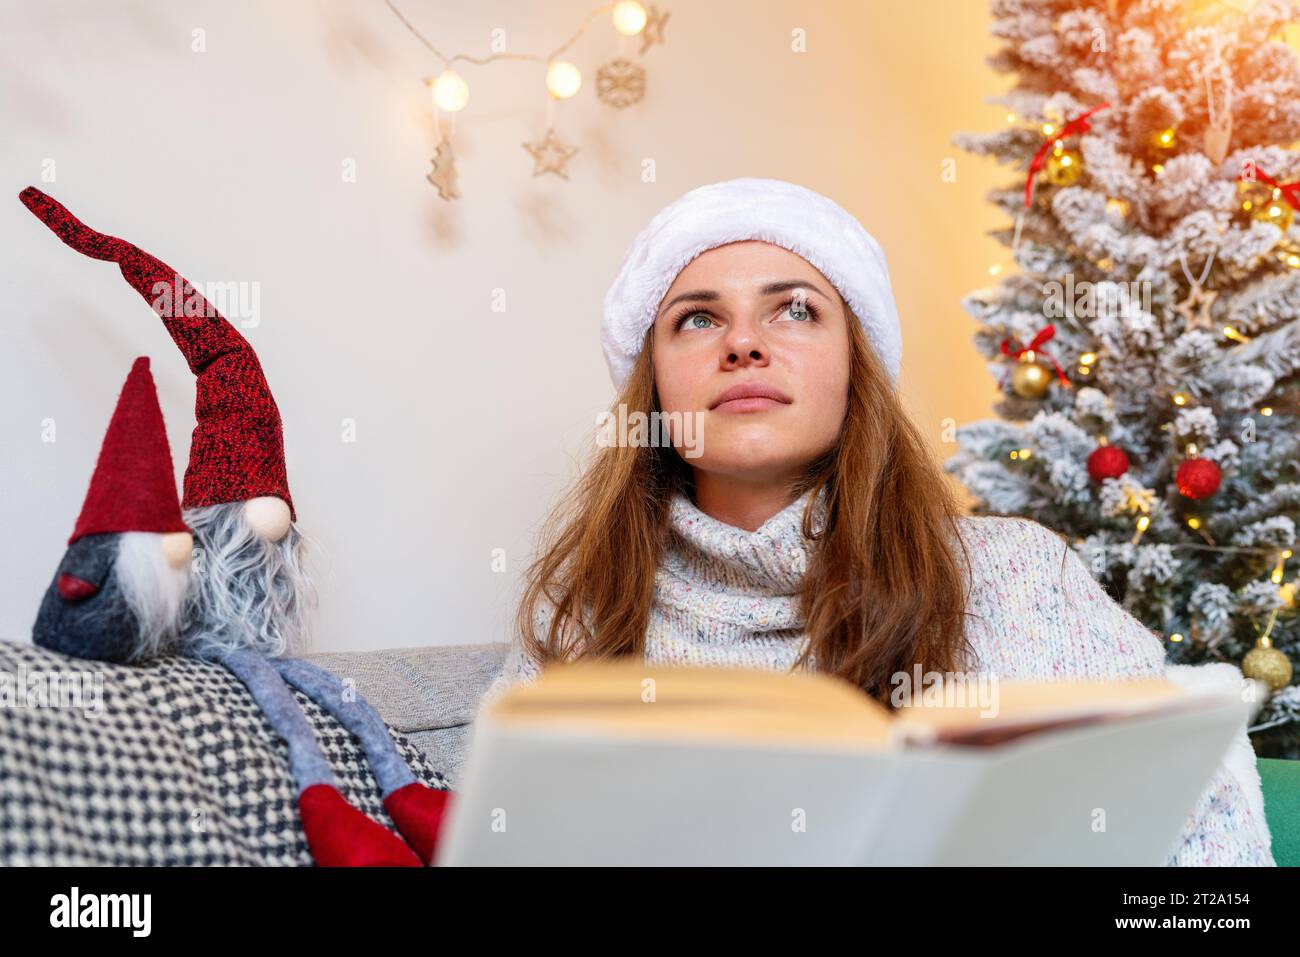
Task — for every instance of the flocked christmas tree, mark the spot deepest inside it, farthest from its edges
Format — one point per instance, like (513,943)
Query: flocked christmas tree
(1147,340)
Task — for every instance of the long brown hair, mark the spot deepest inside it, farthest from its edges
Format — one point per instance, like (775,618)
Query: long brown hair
(883,590)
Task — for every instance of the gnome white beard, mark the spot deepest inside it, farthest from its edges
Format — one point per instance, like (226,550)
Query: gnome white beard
(154,590)
(246,592)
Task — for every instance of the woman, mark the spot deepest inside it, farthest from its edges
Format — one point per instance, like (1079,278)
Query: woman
(807,526)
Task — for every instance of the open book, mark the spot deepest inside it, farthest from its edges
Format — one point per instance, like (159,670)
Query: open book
(624,763)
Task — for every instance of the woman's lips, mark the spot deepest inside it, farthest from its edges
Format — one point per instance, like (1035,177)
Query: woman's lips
(752,403)
(749,397)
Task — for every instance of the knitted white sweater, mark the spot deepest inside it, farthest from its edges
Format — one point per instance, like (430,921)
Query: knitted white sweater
(727,596)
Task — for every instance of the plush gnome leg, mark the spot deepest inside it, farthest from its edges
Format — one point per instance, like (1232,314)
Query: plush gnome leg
(417,809)
(338,834)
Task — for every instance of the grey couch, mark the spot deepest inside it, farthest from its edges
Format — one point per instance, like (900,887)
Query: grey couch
(429,694)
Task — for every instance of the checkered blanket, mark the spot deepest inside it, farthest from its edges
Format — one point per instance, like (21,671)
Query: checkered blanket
(166,763)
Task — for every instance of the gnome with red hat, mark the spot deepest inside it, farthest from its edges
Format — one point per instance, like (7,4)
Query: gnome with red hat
(249,592)
(119,592)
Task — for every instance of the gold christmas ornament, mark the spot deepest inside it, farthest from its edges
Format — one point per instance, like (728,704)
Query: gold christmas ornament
(550,155)
(1265,204)
(620,83)
(1275,210)
(1265,663)
(1063,168)
(1030,379)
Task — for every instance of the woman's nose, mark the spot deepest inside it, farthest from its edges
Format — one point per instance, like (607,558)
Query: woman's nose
(744,346)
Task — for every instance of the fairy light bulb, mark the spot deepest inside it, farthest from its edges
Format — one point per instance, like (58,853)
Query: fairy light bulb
(1280,568)
(563,79)
(629,17)
(1180,398)
(1193,523)
(450,92)
(1176,636)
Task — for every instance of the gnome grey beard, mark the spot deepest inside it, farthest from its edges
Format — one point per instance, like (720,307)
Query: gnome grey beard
(245,591)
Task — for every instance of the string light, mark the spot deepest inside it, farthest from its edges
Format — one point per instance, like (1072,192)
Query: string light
(1234,335)
(563,79)
(1142,524)
(450,92)
(618,83)
(1279,570)
(1180,398)
(629,18)
(1196,525)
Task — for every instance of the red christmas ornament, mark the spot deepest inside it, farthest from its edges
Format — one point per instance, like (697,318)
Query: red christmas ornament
(1198,478)
(1107,461)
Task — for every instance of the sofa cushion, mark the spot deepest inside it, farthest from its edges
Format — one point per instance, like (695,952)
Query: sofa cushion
(170,762)
(429,694)
(419,689)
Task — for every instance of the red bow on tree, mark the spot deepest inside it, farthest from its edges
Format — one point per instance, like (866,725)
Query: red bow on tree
(1034,346)
(1289,191)
(1079,124)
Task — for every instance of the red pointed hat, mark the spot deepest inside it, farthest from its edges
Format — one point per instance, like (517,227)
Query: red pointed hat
(237,450)
(133,488)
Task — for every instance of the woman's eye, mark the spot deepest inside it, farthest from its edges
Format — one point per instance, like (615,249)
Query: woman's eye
(697,320)
(799,310)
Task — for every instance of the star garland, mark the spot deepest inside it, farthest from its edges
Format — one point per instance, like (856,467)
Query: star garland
(619,84)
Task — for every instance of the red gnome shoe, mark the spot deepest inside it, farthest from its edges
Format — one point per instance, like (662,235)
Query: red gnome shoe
(418,811)
(339,835)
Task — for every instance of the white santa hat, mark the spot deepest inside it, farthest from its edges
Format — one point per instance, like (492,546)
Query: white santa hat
(771,210)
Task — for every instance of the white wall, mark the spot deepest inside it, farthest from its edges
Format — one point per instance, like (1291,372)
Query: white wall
(376,295)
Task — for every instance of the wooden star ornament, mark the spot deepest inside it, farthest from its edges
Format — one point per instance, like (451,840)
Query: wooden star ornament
(1195,309)
(653,32)
(550,155)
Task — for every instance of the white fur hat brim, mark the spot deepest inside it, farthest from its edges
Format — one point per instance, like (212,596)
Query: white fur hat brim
(771,210)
